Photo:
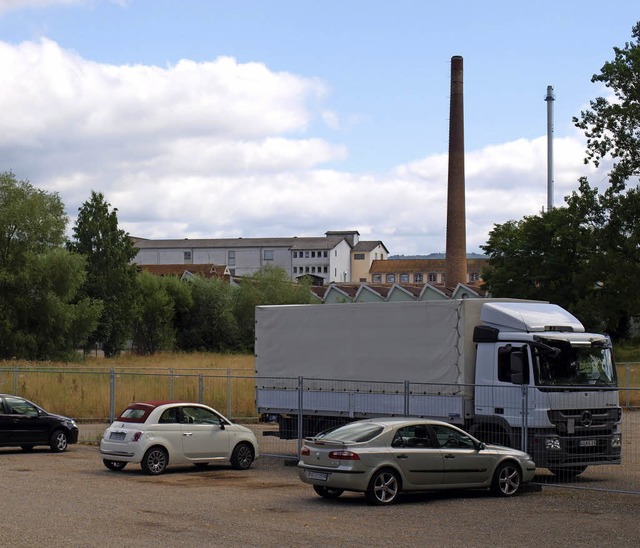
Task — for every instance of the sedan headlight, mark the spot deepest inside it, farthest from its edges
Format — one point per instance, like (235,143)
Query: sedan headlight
(616,441)
(552,444)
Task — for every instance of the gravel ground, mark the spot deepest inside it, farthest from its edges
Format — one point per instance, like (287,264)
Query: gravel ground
(70,499)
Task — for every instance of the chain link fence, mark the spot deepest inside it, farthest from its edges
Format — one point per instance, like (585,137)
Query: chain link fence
(284,410)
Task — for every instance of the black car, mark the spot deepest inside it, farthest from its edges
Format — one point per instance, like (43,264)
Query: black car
(24,424)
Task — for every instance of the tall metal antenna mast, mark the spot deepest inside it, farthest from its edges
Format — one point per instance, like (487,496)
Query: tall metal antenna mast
(550,98)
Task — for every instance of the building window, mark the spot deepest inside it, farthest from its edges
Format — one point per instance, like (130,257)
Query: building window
(313,254)
(306,254)
(363,279)
(231,258)
(232,271)
(404,278)
(358,256)
(377,278)
(306,269)
(474,277)
(325,254)
(295,269)
(313,269)
(433,277)
(187,255)
(417,278)
(268,254)
(326,269)
(391,278)
(295,254)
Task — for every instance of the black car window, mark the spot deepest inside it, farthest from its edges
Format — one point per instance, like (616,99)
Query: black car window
(18,406)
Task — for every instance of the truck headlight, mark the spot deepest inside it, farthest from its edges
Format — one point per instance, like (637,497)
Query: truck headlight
(552,444)
(616,441)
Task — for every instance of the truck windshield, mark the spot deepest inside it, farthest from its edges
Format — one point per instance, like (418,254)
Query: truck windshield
(557,363)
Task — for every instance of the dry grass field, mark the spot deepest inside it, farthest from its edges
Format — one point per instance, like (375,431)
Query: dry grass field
(224,381)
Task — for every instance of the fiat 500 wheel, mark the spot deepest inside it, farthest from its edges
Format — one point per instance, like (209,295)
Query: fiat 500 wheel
(155,461)
(506,480)
(242,456)
(384,488)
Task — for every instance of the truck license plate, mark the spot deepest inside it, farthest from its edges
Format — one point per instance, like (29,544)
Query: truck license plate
(317,476)
(588,443)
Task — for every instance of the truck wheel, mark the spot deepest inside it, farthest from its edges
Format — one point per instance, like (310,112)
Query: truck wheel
(569,473)
(506,480)
(327,492)
(384,488)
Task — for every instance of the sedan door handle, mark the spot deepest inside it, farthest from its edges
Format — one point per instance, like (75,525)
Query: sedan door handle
(187,433)
(449,456)
(402,456)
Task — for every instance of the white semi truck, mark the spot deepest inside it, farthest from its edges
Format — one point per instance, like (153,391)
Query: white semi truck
(519,373)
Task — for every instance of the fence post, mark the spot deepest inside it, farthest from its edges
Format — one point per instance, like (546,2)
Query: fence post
(171,383)
(628,379)
(200,388)
(15,380)
(300,414)
(229,393)
(525,417)
(407,385)
(112,395)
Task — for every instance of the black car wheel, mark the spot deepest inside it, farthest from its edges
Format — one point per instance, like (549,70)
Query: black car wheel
(506,480)
(115,465)
(242,456)
(327,492)
(155,461)
(384,488)
(58,441)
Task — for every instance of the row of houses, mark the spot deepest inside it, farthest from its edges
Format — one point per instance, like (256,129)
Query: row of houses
(340,257)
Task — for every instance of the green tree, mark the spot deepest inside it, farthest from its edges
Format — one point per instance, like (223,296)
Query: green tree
(269,285)
(209,325)
(110,274)
(612,126)
(41,314)
(153,318)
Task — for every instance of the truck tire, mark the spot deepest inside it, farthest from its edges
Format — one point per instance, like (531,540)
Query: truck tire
(569,473)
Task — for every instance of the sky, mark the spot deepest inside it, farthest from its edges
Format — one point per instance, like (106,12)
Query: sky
(280,118)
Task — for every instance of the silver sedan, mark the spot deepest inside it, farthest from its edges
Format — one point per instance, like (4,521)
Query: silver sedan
(382,457)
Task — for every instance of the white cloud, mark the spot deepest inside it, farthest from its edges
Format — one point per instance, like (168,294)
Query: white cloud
(221,149)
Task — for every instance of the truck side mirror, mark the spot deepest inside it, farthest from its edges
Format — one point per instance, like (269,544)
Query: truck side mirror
(517,367)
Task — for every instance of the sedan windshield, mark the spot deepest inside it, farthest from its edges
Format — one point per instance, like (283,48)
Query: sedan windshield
(352,432)
(561,364)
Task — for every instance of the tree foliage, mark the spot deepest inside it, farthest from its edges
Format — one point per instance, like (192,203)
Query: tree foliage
(269,285)
(41,313)
(153,317)
(612,125)
(110,276)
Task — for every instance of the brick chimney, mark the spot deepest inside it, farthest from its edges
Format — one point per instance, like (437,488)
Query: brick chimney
(456,247)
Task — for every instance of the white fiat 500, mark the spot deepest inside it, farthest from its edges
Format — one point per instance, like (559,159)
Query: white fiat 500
(158,433)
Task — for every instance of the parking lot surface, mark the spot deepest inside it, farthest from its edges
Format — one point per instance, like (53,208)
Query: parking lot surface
(71,499)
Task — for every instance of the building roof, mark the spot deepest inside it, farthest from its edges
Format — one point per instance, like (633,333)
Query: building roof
(369,246)
(419,265)
(204,270)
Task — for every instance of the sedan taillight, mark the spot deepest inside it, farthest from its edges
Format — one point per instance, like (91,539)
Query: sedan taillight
(343,455)
(305,451)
